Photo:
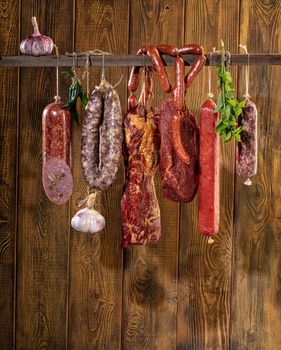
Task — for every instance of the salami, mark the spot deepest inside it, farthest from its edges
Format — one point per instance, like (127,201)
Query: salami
(56,153)
(209,161)
(102,137)
(246,160)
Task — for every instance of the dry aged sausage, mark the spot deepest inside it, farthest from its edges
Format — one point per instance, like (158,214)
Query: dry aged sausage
(102,137)
(179,176)
(140,211)
(209,161)
(159,68)
(56,153)
(246,161)
(179,150)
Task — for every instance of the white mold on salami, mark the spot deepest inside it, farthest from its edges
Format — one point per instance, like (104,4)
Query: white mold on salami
(57,180)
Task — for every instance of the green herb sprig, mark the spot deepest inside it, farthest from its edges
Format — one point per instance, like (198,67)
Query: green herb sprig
(227,105)
(75,91)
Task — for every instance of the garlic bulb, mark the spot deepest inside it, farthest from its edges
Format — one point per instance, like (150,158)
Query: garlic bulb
(36,44)
(88,220)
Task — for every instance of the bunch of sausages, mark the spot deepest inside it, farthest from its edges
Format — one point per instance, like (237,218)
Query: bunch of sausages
(169,138)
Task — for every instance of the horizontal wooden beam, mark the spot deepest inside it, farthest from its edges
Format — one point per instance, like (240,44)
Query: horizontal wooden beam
(131,60)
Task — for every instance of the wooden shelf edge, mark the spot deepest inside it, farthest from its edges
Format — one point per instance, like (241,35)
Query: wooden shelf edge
(131,60)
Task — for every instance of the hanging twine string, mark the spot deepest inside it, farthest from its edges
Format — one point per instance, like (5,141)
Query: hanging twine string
(90,198)
(244,47)
(87,75)
(57,97)
(210,94)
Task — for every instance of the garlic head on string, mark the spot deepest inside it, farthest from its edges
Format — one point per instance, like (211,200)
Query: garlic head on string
(88,219)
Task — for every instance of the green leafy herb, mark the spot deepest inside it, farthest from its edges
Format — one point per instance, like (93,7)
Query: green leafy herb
(228,106)
(75,91)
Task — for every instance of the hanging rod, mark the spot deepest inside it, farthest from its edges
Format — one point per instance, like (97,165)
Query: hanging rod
(132,60)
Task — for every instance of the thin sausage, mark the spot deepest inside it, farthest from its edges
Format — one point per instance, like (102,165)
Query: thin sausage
(178,146)
(194,70)
(159,68)
(179,90)
(191,49)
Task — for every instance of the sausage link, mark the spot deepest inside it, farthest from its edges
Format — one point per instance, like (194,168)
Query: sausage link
(135,72)
(194,70)
(179,90)
(159,68)
(177,142)
(168,50)
(191,49)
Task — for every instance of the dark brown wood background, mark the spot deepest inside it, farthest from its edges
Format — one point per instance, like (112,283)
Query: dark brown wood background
(60,289)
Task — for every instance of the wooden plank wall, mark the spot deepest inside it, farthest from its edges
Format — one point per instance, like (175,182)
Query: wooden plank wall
(63,290)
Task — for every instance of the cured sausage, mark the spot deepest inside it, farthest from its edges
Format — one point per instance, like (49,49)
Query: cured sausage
(179,177)
(246,161)
(102,137)
(159,68)
(177,119)
(140,211)
(56,153)
(209,162)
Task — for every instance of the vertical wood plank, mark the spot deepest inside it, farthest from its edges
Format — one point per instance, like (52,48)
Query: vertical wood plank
(256,304)
(96,261)
(150,272)
(43,228)
(9,27)
(205,270)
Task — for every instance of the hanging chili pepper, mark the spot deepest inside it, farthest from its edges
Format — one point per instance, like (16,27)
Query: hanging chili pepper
(76,90)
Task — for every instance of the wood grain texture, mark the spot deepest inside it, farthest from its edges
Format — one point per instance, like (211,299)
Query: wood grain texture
(43,227)
(150,272)
(9,25)
(204,288)
(256,304)
(96,261)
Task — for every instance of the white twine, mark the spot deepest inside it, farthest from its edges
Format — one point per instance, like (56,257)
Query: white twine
(244,47)
(57,97)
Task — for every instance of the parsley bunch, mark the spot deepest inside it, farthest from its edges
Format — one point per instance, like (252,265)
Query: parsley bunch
(227,105)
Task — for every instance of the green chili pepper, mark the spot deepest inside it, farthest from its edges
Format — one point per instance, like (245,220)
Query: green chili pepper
(74,92)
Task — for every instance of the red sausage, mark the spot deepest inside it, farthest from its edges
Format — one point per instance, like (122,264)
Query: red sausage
(179,90)
(194,70)
(56,175)
(209,163)
(178,146)
(168,50)
(132,101)
(159,68)
(191,49)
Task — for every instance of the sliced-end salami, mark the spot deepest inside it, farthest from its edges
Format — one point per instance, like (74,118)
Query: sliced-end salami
(57,180)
